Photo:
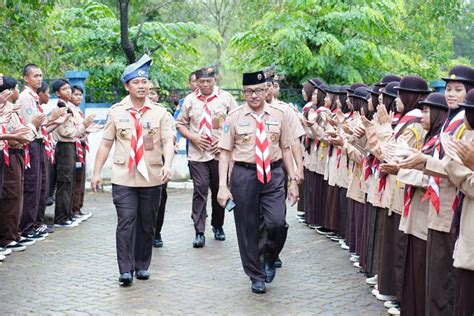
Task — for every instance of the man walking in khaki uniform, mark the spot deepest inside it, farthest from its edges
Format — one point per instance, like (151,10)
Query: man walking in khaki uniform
(200,121)
(142,133)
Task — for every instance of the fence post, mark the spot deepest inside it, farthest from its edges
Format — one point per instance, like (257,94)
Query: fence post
(78,78)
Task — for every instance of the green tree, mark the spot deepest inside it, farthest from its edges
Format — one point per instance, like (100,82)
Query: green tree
(349,41)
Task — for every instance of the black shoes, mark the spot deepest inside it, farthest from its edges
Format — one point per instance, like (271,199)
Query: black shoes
(126,278)
(143,275)
(269,271)
(278,263)
(200,241)
(219,234)
(258,287)
(158,243)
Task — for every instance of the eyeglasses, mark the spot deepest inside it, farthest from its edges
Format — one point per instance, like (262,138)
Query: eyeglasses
(250,92)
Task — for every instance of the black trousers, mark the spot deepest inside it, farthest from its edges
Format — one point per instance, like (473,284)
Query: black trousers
(137,209)
(65,157)
(2,171)
(44,191)
(161,212)
(251,198)
(11,199)
(205,176)
(32,188)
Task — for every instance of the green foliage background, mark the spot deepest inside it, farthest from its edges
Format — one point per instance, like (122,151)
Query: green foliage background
(342,41)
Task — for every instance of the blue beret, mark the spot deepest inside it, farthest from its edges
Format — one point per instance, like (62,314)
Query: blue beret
(137,69)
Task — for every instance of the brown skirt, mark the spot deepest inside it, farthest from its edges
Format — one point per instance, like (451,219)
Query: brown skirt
(440,283)
(400,253)
(332,208)
(373,240)
(309,185)
(414,281)
(358,225)
(365,236)
(343,203)
(319,197)
(463,297)
(386,271)
(300,206)
(350,228)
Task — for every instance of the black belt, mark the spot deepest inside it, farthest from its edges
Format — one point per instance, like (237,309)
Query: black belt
(253,166)
(16,151)
(38,140)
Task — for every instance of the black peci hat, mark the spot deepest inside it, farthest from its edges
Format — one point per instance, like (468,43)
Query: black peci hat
(315,82)
(413,84)
(207,72)
(375,90)
(460,73)
(354,86)
(252,78)
(468,101)
(390,90)
(361,93)
(386,79)
(436,100)
(269,73)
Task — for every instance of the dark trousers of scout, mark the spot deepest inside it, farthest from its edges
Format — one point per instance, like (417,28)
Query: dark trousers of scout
(137,209)
(79,186)
(252,197)
(33,194)
(161,212)
(11,201)
(65,157)
(44,191)
(205,176)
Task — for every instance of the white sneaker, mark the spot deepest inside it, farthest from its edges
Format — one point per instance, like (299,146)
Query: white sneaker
(344,246)
(356,265)
(26,242)
(371,281)
(15,247)
(375,292)
(68,224)
(390,304)
(394,311)
(5,251)
(355,259)
(376,286)
(384,298)
(2,257)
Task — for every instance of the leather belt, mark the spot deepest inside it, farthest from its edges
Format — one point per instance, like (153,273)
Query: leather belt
(253,166)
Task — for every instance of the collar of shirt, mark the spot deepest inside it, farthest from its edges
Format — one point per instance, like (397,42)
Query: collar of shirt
(216,92)
(127,101)
(247,109)
(32,92)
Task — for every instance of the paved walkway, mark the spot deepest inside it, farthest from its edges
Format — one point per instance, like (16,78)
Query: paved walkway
(74,271)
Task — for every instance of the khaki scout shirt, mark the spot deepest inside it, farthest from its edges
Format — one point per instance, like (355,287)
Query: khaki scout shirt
(293,121)
(71,129)
(14,124)
(119,128)
(29,108)
(240,129)
(190,117)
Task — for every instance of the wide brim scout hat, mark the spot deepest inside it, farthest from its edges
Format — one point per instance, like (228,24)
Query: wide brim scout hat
(207,71)
(460,73)
(386,79)
(253,78)
(137,69)
(333,89)
(436,100)
(361,93)
(342,90)
(375,90)
(316,82)
(269,73)
(390,90)
(413,84)
(354,86)
(468,101)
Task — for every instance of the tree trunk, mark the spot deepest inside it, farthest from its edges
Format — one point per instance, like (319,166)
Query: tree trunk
(127,46)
